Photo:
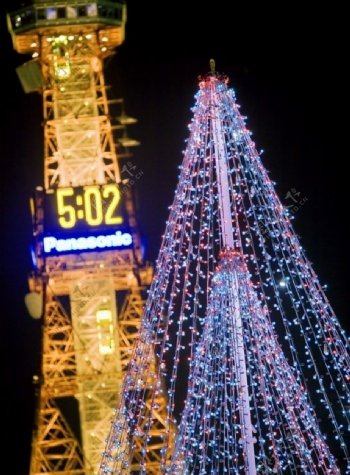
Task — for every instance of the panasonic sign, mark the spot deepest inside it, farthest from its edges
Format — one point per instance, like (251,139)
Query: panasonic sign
(119,239)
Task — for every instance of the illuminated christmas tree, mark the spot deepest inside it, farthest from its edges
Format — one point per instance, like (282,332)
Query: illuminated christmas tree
(239,323)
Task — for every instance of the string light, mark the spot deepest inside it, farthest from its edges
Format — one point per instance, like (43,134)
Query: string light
(296,356)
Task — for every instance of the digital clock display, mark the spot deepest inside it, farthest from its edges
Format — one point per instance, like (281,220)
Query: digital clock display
(85,218)
(80,209)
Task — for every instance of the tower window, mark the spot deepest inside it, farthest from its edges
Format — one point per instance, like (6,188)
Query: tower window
(91,9)
(61,12)
(51,13)
(72,12)
(82,10)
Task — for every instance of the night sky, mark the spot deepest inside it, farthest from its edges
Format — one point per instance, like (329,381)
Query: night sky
(287,67)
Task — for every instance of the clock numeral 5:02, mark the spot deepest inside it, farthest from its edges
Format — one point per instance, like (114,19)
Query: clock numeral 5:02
(94,198)
(67,217)
(107,191)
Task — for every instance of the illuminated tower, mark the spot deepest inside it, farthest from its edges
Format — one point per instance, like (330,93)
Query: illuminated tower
(86,243)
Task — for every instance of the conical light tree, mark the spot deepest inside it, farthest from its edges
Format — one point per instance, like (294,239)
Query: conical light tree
(220,426)
(251,357)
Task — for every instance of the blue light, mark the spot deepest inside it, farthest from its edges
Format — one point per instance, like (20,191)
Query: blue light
(51,13)
(54,245)
(34,257)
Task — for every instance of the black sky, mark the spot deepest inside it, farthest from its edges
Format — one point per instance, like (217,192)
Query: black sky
(288,69)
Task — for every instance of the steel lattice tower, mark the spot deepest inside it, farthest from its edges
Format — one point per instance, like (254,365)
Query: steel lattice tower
(85,344)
